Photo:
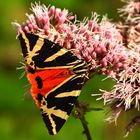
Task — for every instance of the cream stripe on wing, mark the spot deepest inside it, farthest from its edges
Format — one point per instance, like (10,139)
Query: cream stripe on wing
(36,48)
(57,112)
(26,41)
(54,56)
(38,45)
(74,93)
(52,124)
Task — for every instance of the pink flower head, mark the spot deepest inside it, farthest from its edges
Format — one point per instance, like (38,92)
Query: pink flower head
(131,14)
(130,9)
(98,43)
(127,88)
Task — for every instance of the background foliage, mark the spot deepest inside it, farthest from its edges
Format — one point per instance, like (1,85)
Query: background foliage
(19,117)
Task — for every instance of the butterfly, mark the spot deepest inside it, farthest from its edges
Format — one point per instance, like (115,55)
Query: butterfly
(56,77)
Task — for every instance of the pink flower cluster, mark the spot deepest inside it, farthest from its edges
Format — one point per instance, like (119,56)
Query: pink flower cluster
(126,92)
(99,43)
(127,87)
(130,9)
(131,14)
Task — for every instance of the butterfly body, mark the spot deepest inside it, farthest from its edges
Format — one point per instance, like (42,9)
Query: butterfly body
(56,77)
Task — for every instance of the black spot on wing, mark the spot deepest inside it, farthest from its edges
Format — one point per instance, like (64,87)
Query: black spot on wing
(23,45)
(39,82)
(32,40)
(31,70)
(47,123)
(39,97)
(58,121)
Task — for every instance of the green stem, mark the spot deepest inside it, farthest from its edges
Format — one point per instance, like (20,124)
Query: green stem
(86,129)
(81,116)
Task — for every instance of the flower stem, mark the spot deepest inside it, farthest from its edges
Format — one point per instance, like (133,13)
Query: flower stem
(80,113)
(86,129)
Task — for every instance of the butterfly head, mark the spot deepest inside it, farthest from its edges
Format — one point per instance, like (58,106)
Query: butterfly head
(30,64)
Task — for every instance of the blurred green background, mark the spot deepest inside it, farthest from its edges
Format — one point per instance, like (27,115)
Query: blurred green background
(19,117)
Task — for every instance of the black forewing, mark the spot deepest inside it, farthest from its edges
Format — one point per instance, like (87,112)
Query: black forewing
(47,50)
(32,39)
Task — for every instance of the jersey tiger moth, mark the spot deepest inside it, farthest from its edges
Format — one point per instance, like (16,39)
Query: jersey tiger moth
(56,76)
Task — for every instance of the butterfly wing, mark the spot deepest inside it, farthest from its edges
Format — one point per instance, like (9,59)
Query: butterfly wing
(40,53)
(56,77)
(57,104)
